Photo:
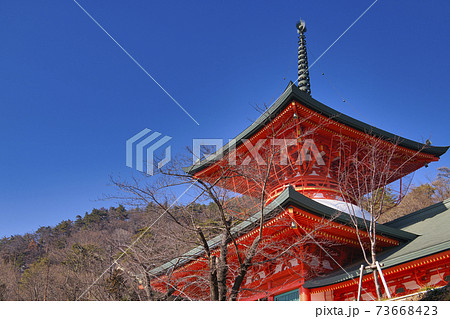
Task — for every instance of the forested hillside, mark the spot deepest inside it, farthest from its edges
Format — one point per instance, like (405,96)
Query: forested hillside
(61,262)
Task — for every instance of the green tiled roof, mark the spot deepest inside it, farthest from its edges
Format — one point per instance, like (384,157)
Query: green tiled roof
(291,93)
(433,236)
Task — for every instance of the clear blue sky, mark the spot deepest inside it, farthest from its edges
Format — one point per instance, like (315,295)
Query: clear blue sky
(70,98)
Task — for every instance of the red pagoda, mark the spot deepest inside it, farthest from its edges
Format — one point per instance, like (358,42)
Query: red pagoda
(293,158)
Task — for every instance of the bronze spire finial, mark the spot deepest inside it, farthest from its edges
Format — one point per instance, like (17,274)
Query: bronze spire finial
(303,72)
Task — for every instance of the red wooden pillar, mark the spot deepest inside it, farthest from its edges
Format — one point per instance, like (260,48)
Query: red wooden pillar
(271,296)
(305,294)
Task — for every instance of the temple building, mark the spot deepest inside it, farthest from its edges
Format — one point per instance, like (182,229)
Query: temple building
(306,173)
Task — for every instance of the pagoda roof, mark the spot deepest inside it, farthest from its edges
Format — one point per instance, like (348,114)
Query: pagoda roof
(289,197)
(292,93)
(429,224)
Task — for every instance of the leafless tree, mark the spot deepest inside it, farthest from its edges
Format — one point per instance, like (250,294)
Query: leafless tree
(365,172)
(251,172)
